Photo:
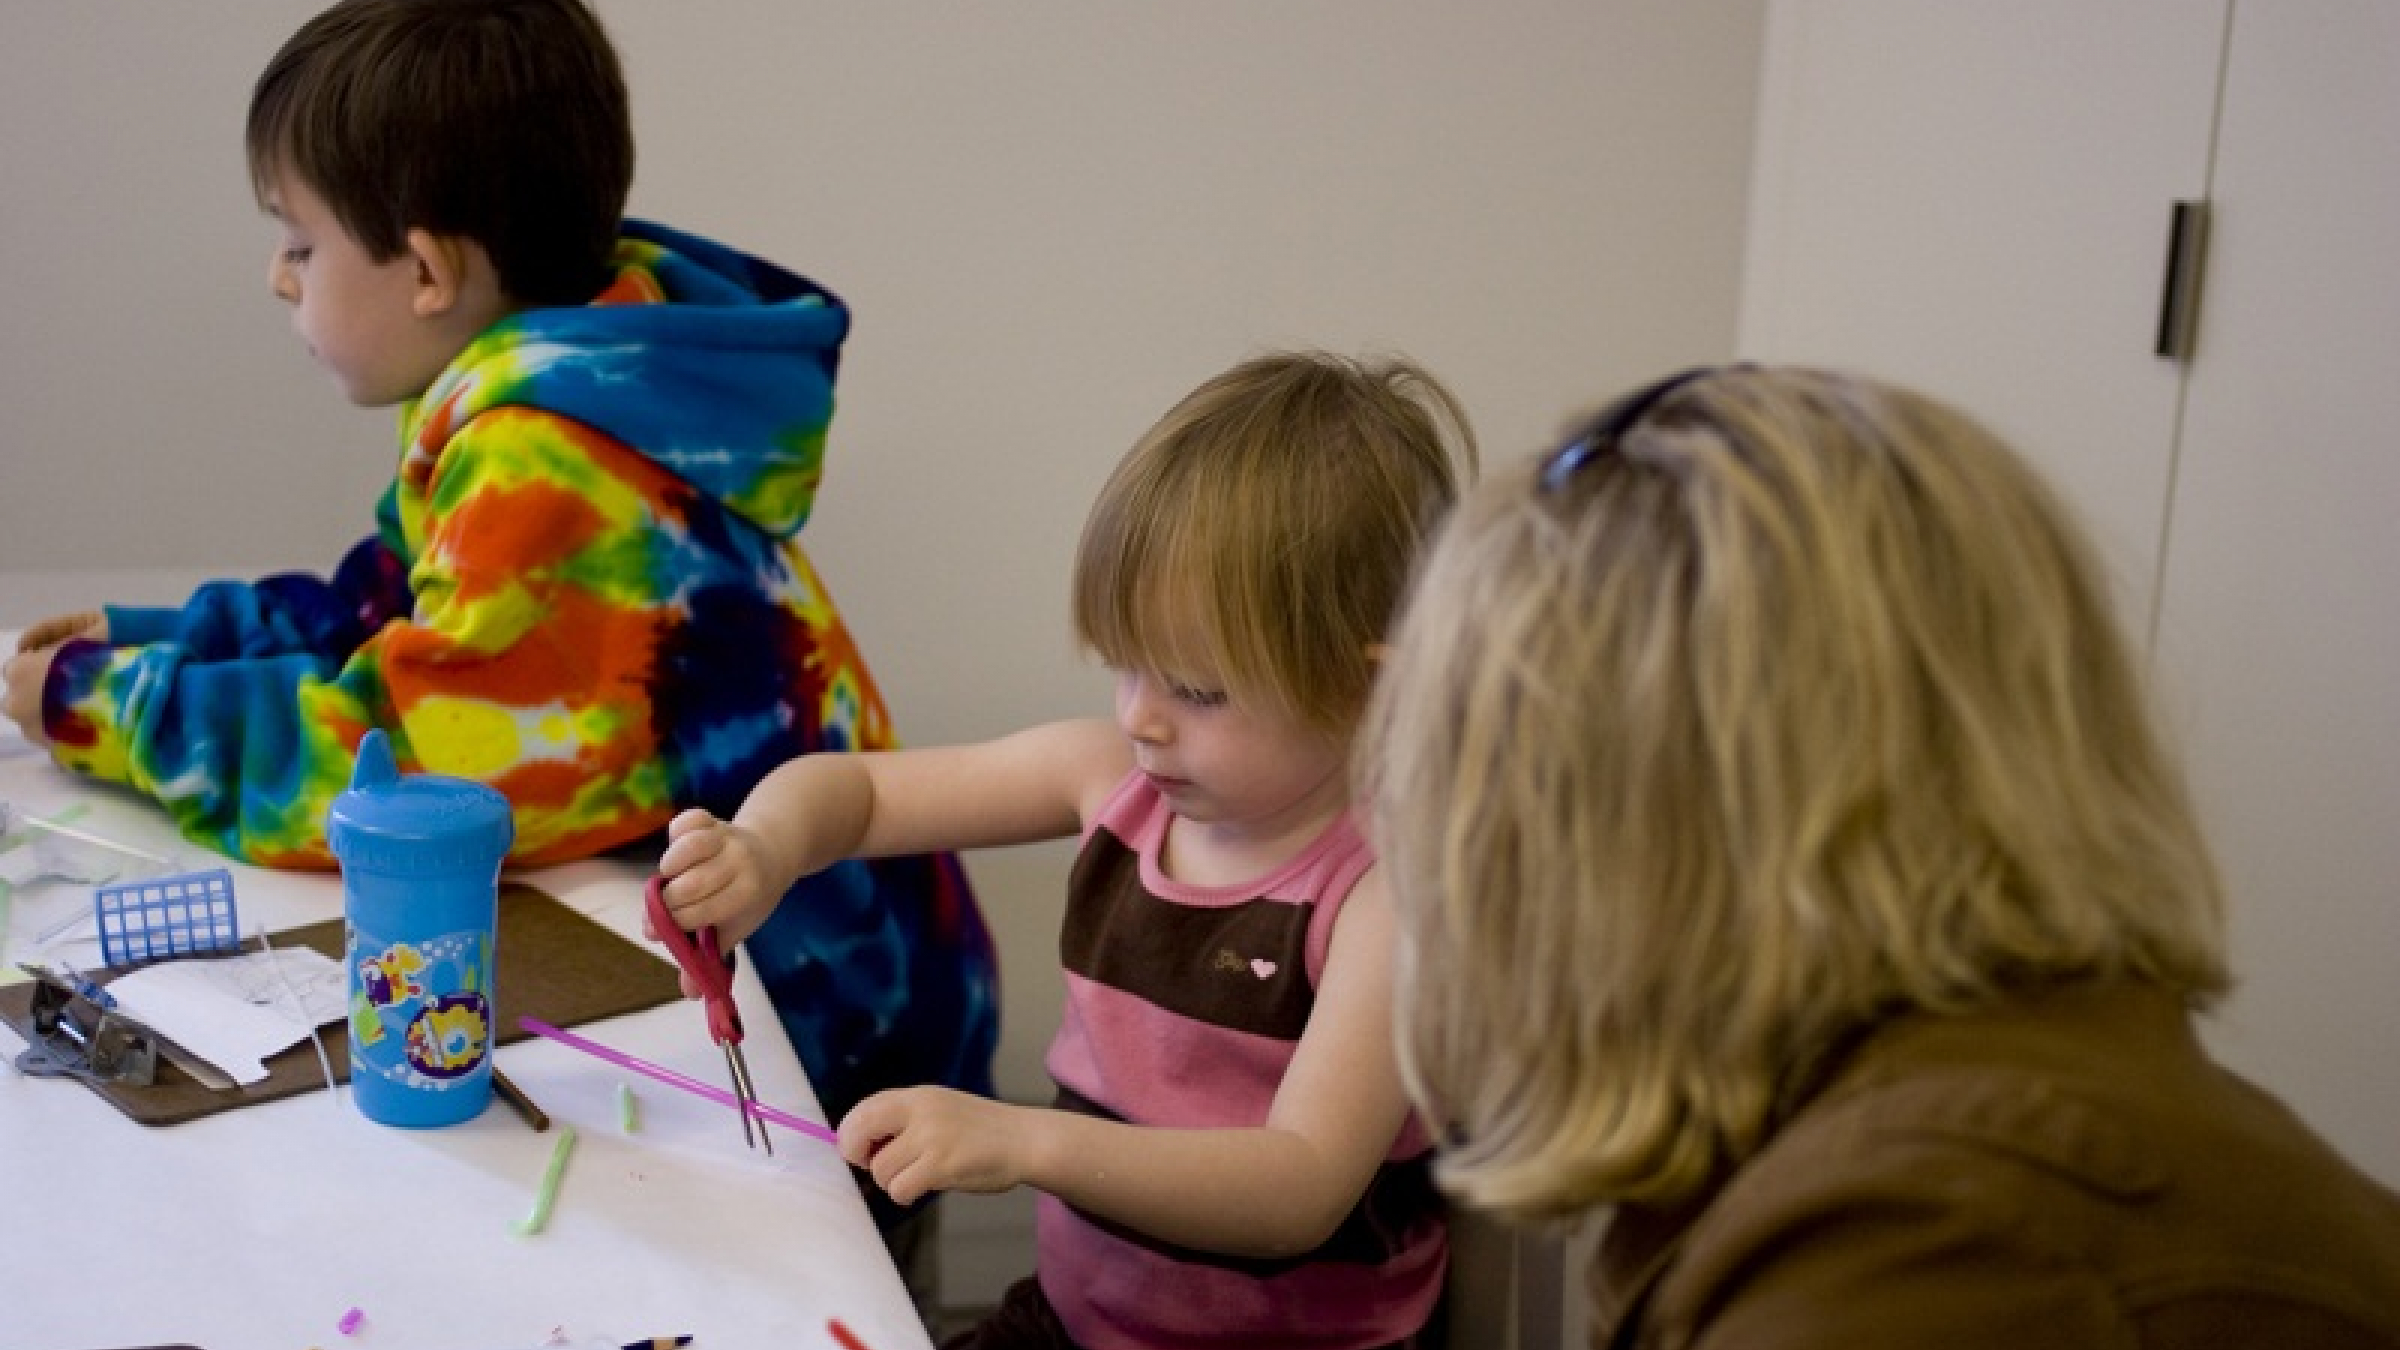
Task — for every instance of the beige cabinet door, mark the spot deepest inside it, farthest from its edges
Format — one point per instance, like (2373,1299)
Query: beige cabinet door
(1973,199)
(2279,635)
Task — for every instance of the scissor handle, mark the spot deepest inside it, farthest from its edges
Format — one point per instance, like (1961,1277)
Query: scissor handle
(700,956)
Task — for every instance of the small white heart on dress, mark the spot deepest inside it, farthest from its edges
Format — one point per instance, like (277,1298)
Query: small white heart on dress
(1262,968)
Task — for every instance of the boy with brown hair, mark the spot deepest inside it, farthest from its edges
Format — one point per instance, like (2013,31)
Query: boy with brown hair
(586,588)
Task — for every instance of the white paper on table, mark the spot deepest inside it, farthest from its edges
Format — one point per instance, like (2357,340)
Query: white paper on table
(18,865)
(235,1011)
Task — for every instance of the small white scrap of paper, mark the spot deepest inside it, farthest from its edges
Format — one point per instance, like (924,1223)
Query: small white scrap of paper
(18,865)
(235,1011)
(43,858)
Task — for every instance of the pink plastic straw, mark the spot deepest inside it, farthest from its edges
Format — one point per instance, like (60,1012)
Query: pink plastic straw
(673,1079)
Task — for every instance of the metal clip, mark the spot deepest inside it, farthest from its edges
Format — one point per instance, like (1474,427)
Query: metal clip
(75,1037)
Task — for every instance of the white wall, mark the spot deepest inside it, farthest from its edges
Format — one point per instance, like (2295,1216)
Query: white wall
(1053,218)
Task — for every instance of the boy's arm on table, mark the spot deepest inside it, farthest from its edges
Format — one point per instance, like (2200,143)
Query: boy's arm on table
(247,752)
(820,809)
(238,751)
(1272,1191)
(224,620)
(287,613)
(228,620)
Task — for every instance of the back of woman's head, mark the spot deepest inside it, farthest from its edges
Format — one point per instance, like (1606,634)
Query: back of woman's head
(1264,529)
(1796,702)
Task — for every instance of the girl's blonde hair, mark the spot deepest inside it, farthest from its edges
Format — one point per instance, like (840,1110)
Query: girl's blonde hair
(1264,529)
(1799,704)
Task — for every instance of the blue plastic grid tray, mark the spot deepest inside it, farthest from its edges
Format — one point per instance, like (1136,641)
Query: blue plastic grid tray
(187,914)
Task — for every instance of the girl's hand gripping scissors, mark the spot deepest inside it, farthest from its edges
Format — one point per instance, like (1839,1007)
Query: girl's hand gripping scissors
(711,968)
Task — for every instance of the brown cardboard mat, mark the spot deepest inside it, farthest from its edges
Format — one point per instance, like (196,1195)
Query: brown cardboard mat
(554,965)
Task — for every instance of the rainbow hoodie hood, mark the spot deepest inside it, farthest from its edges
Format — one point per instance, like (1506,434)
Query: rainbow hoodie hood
(716,365)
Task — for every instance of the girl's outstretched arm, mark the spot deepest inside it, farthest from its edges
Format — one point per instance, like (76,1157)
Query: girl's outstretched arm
(817,810)
(1272,1191)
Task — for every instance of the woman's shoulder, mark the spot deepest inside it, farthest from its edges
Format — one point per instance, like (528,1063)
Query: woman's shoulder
(1996,1167)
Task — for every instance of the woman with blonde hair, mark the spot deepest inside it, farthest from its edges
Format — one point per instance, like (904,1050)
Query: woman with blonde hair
(1786,863)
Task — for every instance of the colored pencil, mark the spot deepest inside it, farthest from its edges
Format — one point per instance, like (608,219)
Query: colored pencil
(516,1098)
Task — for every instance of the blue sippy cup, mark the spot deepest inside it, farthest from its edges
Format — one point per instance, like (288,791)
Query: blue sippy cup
(420,860)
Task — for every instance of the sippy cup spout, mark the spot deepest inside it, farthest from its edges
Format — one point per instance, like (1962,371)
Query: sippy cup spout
(375,767)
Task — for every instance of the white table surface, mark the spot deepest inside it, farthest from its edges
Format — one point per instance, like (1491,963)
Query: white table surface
(259,1228)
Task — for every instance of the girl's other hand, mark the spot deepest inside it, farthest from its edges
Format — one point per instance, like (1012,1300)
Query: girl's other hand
(919,1140)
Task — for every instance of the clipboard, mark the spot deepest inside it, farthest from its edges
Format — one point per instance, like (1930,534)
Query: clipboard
(552,964)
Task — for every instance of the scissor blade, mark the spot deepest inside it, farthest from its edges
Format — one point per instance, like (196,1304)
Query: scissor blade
(741,1091)
(748,1094)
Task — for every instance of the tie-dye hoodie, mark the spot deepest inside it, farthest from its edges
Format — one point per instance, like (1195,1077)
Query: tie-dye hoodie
(586,591)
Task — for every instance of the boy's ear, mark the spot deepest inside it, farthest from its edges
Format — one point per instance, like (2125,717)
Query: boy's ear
(445,266)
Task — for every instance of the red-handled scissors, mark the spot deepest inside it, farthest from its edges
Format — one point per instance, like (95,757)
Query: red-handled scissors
(711,968)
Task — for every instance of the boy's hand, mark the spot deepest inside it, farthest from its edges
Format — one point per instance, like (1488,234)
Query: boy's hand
(24,674)
(718,872)
(90,625)
(28,670)
(923,1139)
